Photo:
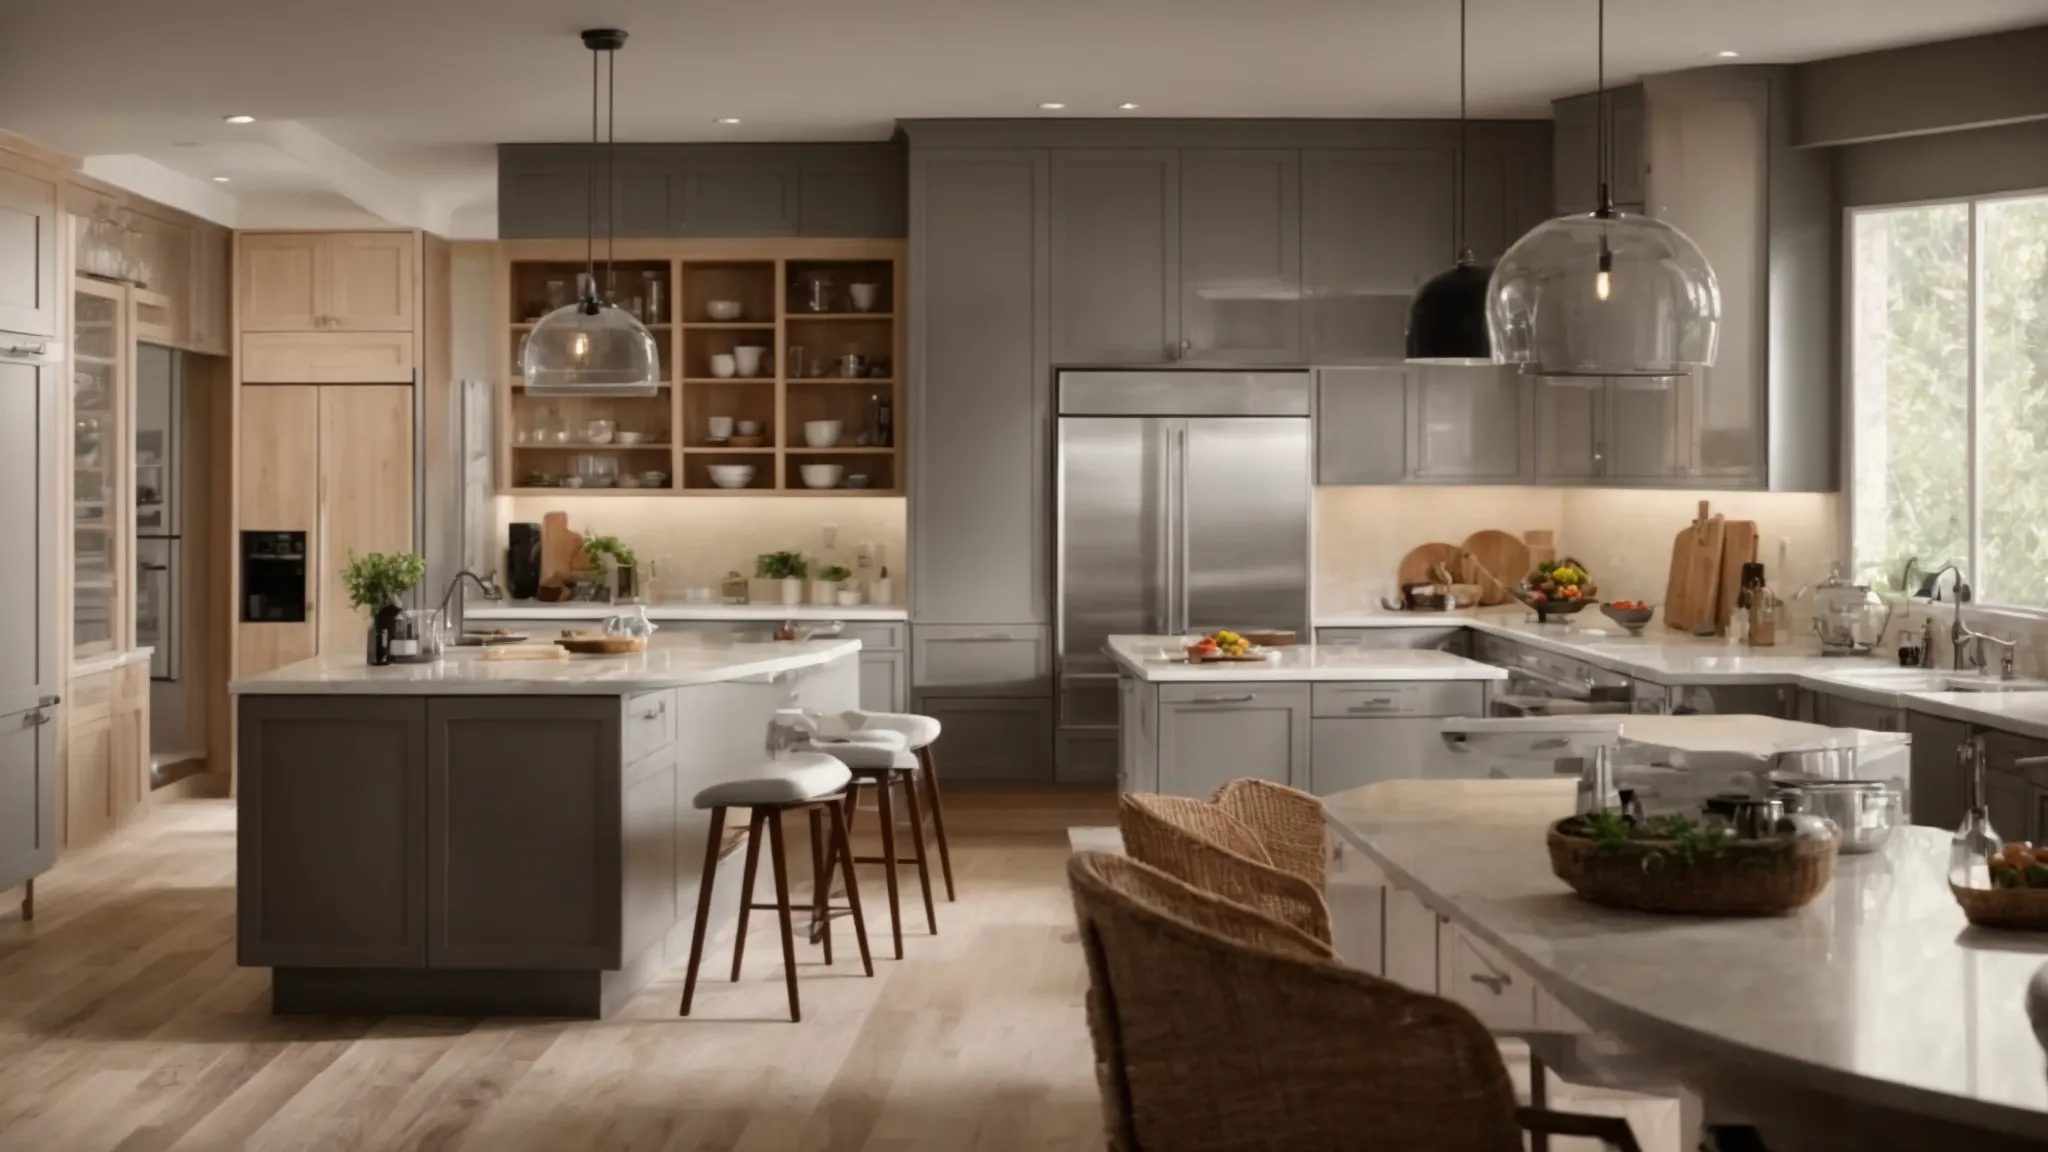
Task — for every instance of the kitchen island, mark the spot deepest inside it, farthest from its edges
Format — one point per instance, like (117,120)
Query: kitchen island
(1873,1018)
(1321,718)
(481,837)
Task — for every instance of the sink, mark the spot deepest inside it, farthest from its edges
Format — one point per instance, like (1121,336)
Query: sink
(1933,680)
(1992,684)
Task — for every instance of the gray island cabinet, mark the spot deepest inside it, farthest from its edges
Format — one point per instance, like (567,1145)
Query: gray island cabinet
(483,844)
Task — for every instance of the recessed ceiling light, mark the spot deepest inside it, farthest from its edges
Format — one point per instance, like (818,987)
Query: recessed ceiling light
(220,179)
(1128,106)
(239,119)
(1052,106)
(728,119)
(1726,54)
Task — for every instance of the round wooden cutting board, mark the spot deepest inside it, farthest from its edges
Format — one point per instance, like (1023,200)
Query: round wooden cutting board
(1416,565)
(1503,555)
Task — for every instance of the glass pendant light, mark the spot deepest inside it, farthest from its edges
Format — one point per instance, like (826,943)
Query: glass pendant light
(1606,293)
(592,347)
(1447,318)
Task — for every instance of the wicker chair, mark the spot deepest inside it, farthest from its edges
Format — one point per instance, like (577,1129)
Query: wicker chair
(1217,1028)
(1287,822)
(1203,844)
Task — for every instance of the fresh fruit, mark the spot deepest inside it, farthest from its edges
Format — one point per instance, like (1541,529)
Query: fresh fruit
(2036,875)
(1539,597)
(2005,878)
(1571,592)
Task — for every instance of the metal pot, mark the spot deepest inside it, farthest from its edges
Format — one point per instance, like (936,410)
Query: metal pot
(1864,811)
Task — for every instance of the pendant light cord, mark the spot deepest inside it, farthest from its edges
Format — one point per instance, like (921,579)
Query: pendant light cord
(1464,156)
(611,151)
(590,191)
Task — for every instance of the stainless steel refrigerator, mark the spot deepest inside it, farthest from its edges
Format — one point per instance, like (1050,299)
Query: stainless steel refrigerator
(1182,504)
(159,466)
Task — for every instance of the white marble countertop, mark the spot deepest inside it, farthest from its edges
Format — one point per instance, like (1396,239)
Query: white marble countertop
(1672,658)
(1155,658)
(107,662)
(577,610)
(1878,991)
(671,661)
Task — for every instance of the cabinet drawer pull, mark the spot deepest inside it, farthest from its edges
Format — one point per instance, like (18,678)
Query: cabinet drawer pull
(1493,984)
(1244,699)
(979,638)
(27,349)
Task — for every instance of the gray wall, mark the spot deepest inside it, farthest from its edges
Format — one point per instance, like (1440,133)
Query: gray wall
(1946,86)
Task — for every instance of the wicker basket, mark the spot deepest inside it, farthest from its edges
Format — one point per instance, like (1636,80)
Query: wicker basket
(1750,878)
(2025,909)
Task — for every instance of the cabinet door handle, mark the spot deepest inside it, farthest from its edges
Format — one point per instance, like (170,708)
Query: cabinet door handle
(1494,984)
(1244,699)
(27,349)
(981,638)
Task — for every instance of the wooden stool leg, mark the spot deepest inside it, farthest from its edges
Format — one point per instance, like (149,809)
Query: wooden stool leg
(924,873)
(821,885)
(703,906)
(782,910)
(931,796)
(888,817)
(28,900)
(844,847)
(739,940)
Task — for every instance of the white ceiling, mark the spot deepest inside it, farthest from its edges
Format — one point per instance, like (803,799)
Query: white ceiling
(394,105)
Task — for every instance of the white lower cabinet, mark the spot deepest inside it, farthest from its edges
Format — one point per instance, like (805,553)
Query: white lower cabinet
(1473,974)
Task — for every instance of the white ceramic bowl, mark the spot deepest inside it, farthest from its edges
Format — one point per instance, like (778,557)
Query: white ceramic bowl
(731,475)
(822,475)
(722,365)
(750,358)
(630,437)
(655,479)
(821,433)
(722,309)
(748,427)
(864,296)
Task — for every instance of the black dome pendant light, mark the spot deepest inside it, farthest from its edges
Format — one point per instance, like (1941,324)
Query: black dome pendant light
(1447,317)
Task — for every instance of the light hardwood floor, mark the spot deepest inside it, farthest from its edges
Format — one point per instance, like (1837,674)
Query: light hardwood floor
(125,1024)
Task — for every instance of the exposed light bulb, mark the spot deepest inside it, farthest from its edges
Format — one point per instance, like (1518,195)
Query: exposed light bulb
(1603,280)
(580,346)
(1602,285)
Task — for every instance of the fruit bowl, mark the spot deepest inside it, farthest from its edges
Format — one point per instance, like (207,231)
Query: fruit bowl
(1547,610)
(1632,619)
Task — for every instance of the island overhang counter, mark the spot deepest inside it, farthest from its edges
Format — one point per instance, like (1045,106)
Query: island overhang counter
(1873,1018)
(481,837)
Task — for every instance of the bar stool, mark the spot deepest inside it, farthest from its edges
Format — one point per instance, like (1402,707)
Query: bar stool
(920,733)
(882,760)
(803,781)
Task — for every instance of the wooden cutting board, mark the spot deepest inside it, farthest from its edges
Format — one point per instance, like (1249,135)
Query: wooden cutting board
(1501,554)
(1738,547)
(1416,565)
(559,550)
(523,652)
(1691,596)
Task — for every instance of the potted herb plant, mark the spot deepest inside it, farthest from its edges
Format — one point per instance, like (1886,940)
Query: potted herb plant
(375,581)
(825,585)
(609,554)
(787,569)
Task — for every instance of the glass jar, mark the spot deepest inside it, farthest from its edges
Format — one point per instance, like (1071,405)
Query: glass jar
(814,291)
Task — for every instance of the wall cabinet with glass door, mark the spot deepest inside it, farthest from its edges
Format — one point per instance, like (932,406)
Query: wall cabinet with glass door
(101,528)
(781,368)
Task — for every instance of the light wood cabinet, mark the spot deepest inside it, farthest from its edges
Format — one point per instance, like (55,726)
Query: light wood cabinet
(327,281)
(335,462)
(327,358)
(28,254)
(366,499)
(106,752)
(280,492)
(206,312)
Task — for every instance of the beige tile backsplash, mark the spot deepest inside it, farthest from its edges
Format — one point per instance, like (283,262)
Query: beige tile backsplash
(1623,536)
(697,541)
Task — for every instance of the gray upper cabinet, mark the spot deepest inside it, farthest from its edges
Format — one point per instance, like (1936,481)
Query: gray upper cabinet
(1362,424)
(1578,128)
(1240,256)
(1643,439)
(545,190)
(980,387)
(1375,225)
(1467,424)
(28,254)
(1507,192)
(1568,425)
(1115,257)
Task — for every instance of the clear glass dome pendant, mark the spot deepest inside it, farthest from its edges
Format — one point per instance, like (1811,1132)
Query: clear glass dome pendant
(590,348)
(1606,293)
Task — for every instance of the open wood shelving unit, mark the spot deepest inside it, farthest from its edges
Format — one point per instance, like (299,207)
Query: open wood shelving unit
(766,277)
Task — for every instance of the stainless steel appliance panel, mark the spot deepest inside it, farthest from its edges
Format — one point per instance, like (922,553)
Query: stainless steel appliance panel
(1114,535)
(159,408)
(1245,490)
(1185,393)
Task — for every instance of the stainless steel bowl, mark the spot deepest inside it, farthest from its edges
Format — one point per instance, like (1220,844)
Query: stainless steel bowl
(1864,811)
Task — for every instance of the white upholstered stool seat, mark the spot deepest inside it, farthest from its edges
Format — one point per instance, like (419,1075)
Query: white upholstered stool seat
(798,777)
(917,730)
(874,752)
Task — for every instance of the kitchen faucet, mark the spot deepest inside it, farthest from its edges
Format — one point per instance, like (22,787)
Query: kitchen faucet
(453,621)
(1967,642)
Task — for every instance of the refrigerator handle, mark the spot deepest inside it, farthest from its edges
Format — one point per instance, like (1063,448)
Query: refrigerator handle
(1180,551)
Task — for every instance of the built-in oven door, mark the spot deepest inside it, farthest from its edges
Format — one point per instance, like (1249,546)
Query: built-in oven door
(156,604)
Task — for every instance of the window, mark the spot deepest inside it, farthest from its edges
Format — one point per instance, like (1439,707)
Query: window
(1949,393)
